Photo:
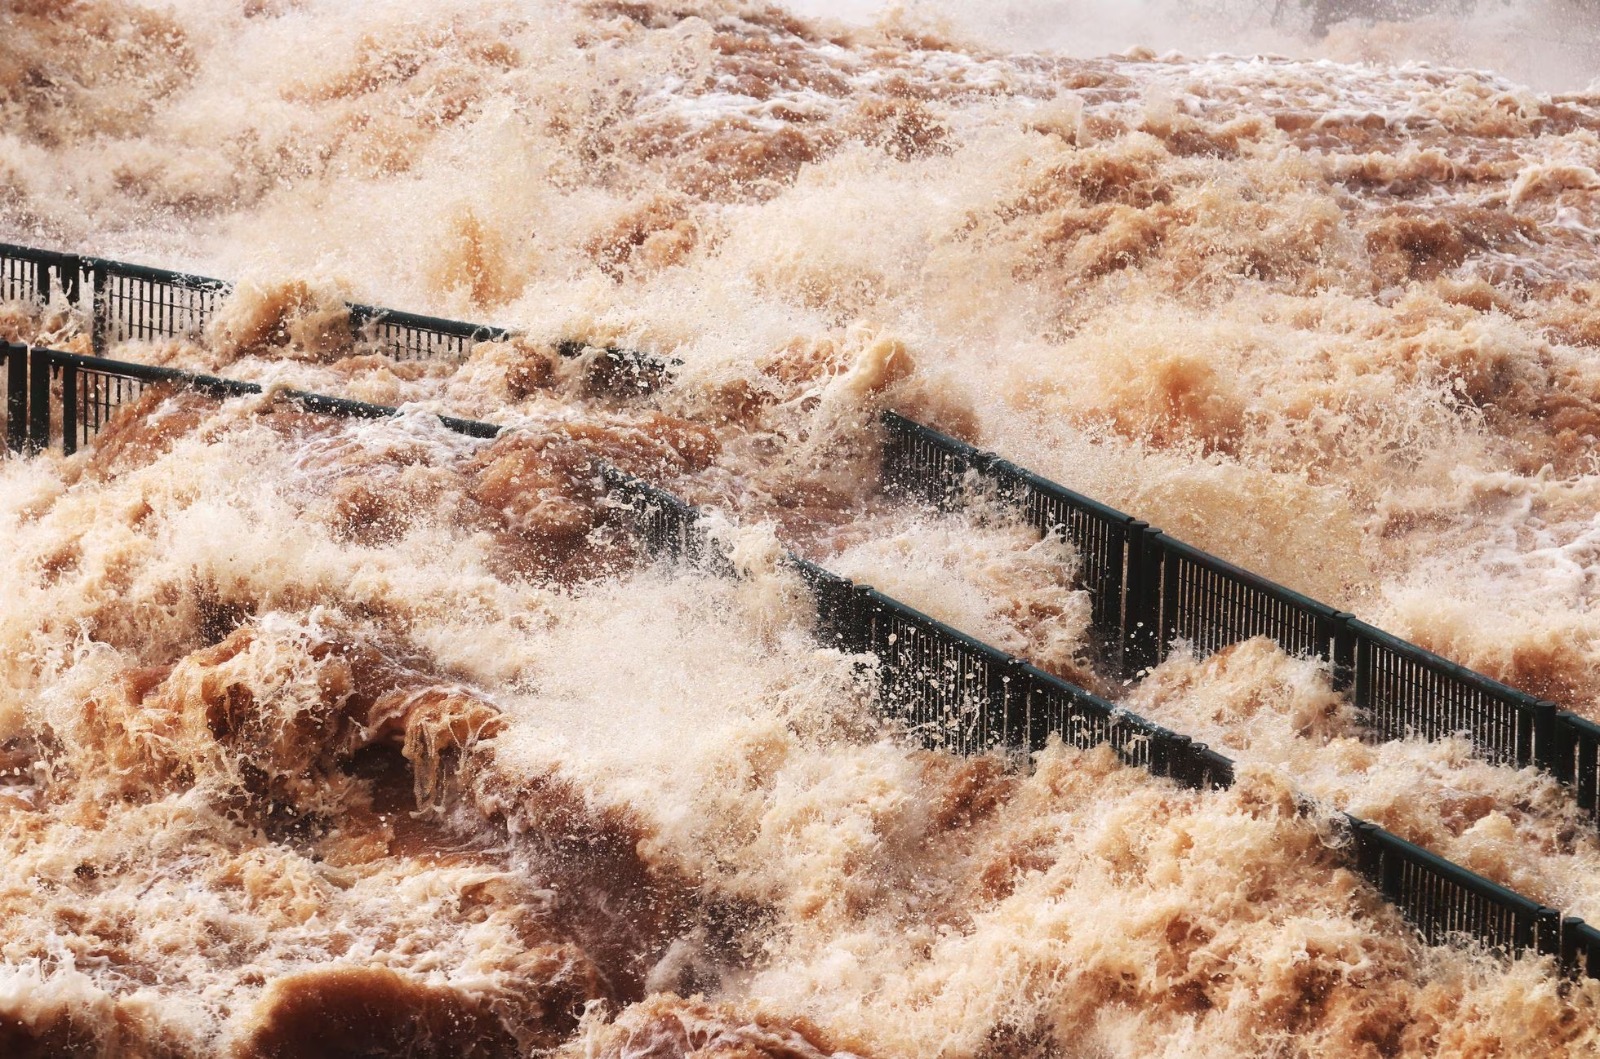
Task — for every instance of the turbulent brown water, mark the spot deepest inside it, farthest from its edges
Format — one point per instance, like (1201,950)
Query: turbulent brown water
(363,738)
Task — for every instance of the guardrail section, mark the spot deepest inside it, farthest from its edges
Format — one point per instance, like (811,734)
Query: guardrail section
(937,469)
(123,301)
(143,304)
(408,336)
(1170,590)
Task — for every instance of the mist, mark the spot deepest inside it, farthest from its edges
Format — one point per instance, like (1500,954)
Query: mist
(1549,45)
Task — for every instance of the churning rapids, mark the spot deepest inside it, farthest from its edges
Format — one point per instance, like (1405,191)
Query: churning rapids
(322,737)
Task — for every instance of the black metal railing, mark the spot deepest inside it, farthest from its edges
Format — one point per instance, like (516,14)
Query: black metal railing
(408,336)
(669,526)
(1150,589)
(1446,901)
(1211,603)
(936,468)
(955,692)
(960,695)
(967,697)
(1404,690)
(122,301)
(134,302)
(63,399)
(33,275)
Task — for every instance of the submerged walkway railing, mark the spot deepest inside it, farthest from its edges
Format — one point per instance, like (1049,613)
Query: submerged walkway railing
(1149,589)
(964,696)
(122,301)
(51,395)
(955,692)
(65,400)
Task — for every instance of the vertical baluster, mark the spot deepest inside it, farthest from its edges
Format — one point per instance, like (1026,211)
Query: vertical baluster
(1220,598)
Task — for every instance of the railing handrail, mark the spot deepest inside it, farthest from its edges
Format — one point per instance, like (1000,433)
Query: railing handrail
(143,372)
(1261,584)
(1579,722)
(933,625)
(1466,878)
(218,386)
(999,466)
(53,256)
(361,314)
(150,272)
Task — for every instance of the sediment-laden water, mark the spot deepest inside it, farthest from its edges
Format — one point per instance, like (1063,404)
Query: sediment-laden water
(365,738)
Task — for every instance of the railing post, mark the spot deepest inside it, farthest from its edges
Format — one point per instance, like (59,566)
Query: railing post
(16,397)
(69,409)
(1342,662)
(1180,760)
(825,608)
(1547,932)
(1389,872)
(41,280)
(1195,767)
(1571,935)
(71,267)
(1165,749)
(38,400)
(1360,677)
(97,308)
(1552,743)
(859,614)
(1166,609)
(1585,765)
(1141,608)
(1368,854)
(359,316)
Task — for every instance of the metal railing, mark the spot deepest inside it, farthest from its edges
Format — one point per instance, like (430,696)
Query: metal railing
(142,304)
(122,301)
(965,696)
(1149,589)
(1446,901)
(955,692)
(960,695)
(63,399)
(31,275)
(408,336)
(669,526)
